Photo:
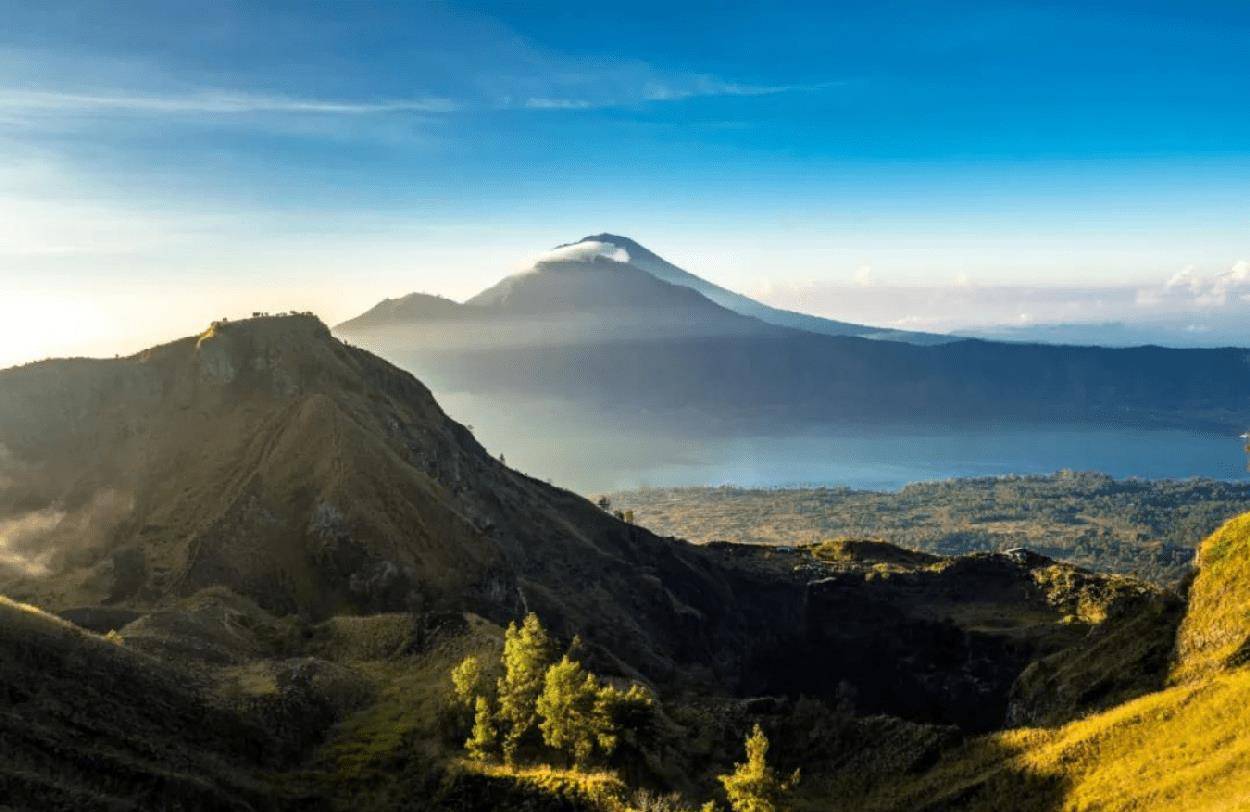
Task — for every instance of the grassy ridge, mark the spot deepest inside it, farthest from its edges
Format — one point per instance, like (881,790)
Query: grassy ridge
(1216,630)
(1182,748)
(1185,747)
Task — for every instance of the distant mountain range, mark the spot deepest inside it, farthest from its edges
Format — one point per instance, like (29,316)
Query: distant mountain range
(1208,332)
(606,322)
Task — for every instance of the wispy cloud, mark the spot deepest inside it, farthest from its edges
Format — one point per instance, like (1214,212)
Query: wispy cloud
(212,102)
(639,84)
(706,85)
(239,103)
(543,103)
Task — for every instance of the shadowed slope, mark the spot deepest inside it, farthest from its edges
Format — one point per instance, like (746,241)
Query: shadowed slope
(269,458)
(1184,747)
(88,724)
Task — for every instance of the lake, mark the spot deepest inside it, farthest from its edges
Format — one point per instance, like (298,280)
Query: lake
(551,441)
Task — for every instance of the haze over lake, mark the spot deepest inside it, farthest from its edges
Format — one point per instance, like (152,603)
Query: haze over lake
(549,441)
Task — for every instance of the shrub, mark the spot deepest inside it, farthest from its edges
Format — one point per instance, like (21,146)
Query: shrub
(482,741)
(753,786)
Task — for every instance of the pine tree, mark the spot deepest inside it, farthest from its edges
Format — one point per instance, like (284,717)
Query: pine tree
(572,719)
(754,786)
(620,714)
(526,653)
(481,742)
(466,679)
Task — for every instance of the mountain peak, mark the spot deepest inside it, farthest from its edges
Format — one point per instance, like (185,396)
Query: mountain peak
(584,251)
(615,239)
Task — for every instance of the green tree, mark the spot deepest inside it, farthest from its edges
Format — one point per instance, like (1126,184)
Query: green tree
(572,718)
(753,786)
(466,680)
(526,653)
(621,715)
(481,742)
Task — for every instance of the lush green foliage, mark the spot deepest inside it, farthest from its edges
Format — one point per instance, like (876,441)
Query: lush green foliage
(466,680)
(753,786)
(482,741)
(526,655)
(573,720)
(575,712)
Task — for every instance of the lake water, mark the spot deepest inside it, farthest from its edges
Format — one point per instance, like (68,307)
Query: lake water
(548,443)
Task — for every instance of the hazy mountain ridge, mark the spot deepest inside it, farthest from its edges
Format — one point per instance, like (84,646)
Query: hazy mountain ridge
(671,355)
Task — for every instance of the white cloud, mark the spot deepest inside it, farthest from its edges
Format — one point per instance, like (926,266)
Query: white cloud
(863,276)
(1185,279)
(585,252)
(1190,288)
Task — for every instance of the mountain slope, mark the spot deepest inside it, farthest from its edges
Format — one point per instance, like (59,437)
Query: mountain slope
(415,307)
(653,264)
(573,300)
(1184,747)
(88,724)
(623,280)
(791,379)
(271,459)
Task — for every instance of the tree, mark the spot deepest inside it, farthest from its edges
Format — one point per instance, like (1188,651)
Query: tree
(481,742)
(623,715)
(754,786)
(526,653)
(604,503)
(466,679)
(572,719)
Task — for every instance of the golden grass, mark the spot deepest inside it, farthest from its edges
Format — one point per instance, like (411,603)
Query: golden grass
(1184,748)
(1216,628)
(603,790)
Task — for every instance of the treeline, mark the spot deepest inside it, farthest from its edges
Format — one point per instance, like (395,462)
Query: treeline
(530,708)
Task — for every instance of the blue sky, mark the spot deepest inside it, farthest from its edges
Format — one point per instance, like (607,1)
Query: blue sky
(225,157)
